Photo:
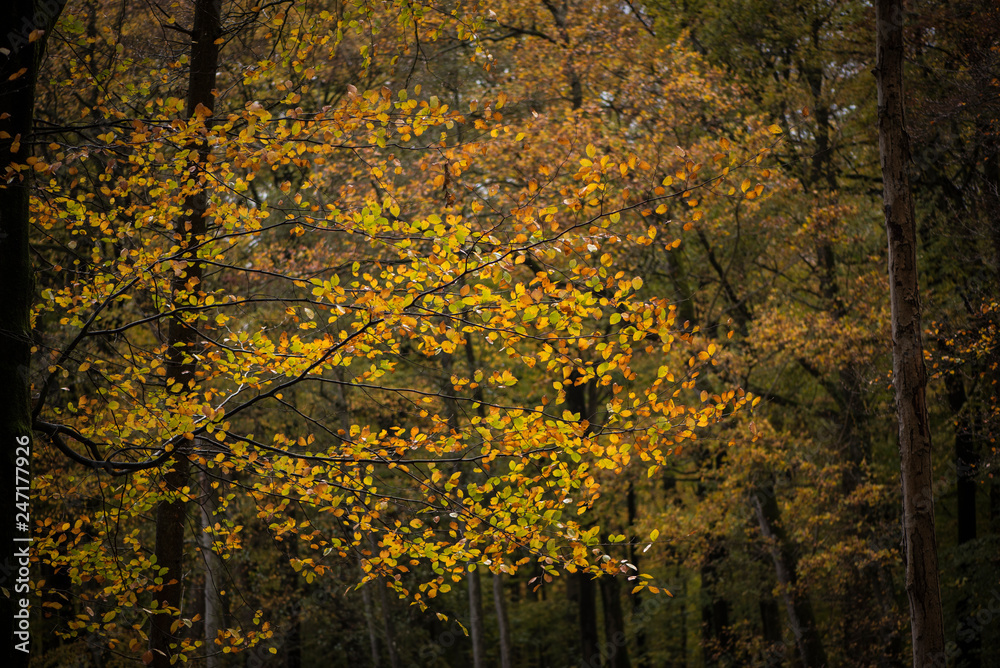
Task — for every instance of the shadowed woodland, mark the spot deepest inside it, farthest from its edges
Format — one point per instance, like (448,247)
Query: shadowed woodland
(526,333)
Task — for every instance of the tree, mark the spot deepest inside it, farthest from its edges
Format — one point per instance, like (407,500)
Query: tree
(909,375)
(20,58)
(229,260)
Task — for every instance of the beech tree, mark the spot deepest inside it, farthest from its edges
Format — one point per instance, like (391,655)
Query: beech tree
(226,252)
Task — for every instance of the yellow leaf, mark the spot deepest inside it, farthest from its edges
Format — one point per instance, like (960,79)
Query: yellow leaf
(654,534)
(774,130)
(745,185)
(591,151)
(636,283)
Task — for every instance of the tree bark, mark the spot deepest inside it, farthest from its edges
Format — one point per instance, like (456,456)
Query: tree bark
(909,375)
(366,598)
(476,617)
(388,628)
(639,631)
(500,602)
(583,594)
(18,76)
(213,572)
(715,635)
(801,618)
(614,623)
(180,365)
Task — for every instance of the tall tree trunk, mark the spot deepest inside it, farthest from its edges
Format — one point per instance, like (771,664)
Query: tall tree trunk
(213,572)
(582,584)
(908,374)
(388,629)
(366,598)
(180,365)
(476,617)
(714,608)
(587,617)
(969,644)
(502,622)
(18,75)
(614,623)
(642,658)
(801,618)
(293,637)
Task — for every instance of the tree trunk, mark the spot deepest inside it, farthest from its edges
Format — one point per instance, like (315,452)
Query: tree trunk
(614,623)
(476,617)
(714,608)
(908,373)
(180,367)
(366,599)
(969,644)
(502,622)
(17,102)
(584,594)
(797,604)
(388,628)
(213,572)
(638,621)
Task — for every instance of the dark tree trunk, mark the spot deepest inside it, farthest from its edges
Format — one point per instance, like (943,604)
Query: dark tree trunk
(966,459)
(614,623)
(801,618)
(369,605)
(388,628)
(18,75)
(586,593)
(641,656)
(503,623)
(908,373)
(714,607)
(476,618)
(181,369)
(213,608)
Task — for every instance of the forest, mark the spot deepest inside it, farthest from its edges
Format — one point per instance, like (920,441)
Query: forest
(500,333)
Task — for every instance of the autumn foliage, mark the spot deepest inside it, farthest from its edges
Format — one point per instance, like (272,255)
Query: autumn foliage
(428,291)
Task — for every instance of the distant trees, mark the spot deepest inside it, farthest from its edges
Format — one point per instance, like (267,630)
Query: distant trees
(420,287)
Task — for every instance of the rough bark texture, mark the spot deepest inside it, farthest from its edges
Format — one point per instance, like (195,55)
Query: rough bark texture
(170,516)
(17,99)
(909,375)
